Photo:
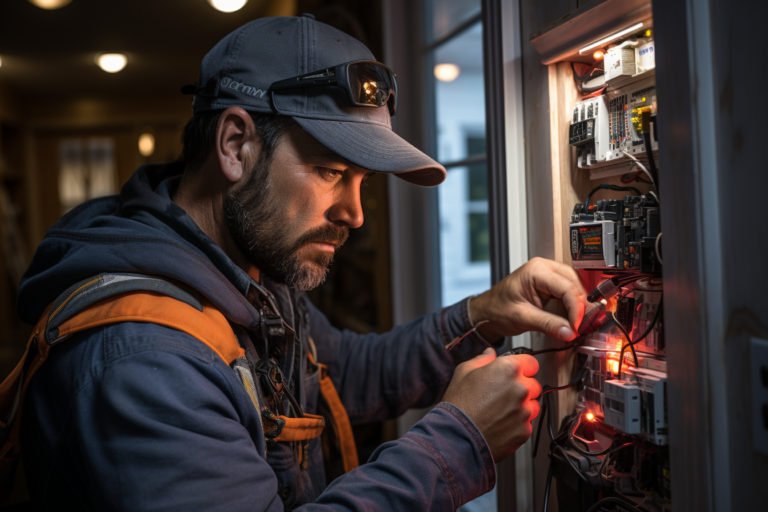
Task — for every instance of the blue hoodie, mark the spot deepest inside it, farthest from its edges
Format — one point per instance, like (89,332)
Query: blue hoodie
(135,416)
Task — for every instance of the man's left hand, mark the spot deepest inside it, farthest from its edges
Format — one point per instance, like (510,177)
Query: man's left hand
(519,302)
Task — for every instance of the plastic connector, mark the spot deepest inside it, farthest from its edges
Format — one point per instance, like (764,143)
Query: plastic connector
(604,290)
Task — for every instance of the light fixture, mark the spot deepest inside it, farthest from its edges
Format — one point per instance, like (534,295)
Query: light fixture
(612,37)
(598,55)
(447,72)
(146,144)
(49,4)
(1,62)
(227,5)
(112,62)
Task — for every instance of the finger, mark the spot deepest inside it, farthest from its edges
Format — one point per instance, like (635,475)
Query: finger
(568,289)
(534,407)
(527,364)
(550,324)
(486,357)
(534,389)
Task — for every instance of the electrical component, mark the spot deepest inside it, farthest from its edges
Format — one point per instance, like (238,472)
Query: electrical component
(621,406)
(604,128)
(616,233)
(589,131)
(645,57)
(620,61)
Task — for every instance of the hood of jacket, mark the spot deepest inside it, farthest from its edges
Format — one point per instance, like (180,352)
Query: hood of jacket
(141,230)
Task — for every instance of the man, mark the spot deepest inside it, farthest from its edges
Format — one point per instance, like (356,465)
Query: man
(290,116)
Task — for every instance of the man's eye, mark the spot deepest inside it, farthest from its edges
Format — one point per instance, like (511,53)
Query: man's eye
(329,173)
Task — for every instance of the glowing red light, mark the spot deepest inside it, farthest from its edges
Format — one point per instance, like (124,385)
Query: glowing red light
(590,416)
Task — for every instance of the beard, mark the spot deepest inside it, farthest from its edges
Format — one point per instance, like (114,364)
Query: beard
(254,220)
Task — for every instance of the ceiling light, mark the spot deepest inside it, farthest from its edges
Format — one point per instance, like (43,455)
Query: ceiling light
(49,4)
(612,37)
(227,5)
(146,144)
(447,72)
(112,62)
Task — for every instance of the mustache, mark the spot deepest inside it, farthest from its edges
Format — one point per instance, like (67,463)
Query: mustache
(330,233)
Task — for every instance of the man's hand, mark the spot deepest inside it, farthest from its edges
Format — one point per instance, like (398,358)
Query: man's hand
(517,303)
(499,395)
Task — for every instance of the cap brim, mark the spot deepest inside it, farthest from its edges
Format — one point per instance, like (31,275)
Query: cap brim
(376,148)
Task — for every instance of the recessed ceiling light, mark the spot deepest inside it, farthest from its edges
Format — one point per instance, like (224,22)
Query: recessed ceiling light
(146,144)
(447,72)
(227,5)
(112,62)
(49,4)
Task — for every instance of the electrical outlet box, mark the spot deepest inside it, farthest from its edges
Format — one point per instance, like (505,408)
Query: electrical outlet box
(759,363)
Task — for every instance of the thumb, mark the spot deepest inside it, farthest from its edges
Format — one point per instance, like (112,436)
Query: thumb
(487,357)
(554,326)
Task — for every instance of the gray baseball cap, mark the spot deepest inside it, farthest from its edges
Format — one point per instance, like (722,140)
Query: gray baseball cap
(318,88)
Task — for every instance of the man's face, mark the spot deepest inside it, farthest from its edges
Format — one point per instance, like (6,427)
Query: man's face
(291,215)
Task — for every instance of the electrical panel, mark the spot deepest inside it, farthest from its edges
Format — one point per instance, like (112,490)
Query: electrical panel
(611,452)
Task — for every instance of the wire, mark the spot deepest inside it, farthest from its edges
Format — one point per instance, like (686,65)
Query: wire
(631,344)
(526,350)
(657,248)
(548,487)
(608,186)
(640,165)
(458,339)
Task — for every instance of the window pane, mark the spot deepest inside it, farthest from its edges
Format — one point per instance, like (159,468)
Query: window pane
(460,103)
(460,119)
(479,237)
(448,14)
(478,175)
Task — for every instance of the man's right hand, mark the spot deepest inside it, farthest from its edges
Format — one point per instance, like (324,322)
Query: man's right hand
(499,395)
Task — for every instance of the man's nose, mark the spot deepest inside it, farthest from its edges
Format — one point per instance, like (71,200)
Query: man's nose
(348,207)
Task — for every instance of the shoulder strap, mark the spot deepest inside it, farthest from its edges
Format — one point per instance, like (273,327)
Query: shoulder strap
(102,300)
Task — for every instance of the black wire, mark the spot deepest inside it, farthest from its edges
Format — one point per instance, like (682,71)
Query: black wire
(612,500)
(651,162)
(632,343)
(525,350)
(608,186)
(537,435)
(548,486)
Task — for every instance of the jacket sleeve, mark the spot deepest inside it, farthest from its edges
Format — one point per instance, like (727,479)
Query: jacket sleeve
(380,376)
(441,463)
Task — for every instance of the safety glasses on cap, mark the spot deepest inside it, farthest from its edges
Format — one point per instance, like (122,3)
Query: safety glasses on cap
(368,83)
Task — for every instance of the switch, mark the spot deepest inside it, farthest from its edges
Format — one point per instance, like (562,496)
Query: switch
(759,365)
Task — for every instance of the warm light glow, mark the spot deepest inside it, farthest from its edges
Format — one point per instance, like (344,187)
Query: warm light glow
(146,144)
(1,62)
(613,366)
(612,37)
(648,33)
(598,55)
(227,5)
(589,416)
(447,72)
(112,62)
(49,4)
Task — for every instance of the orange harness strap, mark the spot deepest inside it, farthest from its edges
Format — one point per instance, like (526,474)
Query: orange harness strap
(342,428)
(212,328)
(209,325)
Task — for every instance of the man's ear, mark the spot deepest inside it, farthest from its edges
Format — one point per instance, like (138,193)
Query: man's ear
(237,144)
